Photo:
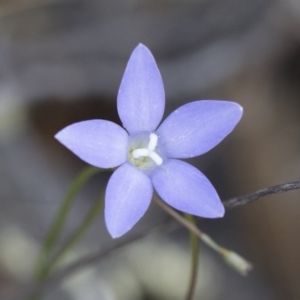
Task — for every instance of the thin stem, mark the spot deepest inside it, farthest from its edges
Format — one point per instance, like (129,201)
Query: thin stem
(194,260)
(179,218)
(60,219)
(231,258)
(191,227)
(75,236)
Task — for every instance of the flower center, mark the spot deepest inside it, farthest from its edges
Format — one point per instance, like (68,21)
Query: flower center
(149,151)
(144,152)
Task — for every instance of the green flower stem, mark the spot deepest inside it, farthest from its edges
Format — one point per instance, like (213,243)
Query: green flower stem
(93,213)
(194,259)
(60,218)
(231,258)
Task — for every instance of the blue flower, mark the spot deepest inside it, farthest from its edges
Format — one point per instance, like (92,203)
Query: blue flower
(147,155)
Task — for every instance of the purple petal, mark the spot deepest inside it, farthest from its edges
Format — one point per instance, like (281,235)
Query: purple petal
(98,142)
(185,188)
(197,127)
(128,196)
(141,98)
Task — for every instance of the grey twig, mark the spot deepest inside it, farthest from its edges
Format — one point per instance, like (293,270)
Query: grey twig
(276,189)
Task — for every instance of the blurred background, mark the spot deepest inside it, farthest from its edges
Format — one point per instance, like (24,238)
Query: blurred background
(62,61)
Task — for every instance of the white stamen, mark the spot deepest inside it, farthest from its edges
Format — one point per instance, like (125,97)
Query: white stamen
(153,142)
(149,151)
(156,158)
(137,153)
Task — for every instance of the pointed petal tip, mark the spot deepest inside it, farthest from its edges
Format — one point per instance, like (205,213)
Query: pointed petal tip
(232,103)
(142,48)
(141,45)
(239,111)
(57,136)
(215,213)
(116,231)
(144,51)
(240,108)
(218,211)
(114,235)
(60,136)
(221,212)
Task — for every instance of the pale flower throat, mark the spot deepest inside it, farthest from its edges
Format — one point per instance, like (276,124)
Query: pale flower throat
(140,156)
